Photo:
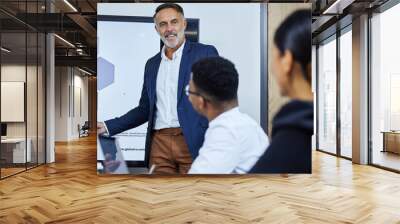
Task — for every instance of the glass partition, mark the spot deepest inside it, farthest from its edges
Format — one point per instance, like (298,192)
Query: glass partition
(327,96)
(31,100)
(385,89)
(41,111)
(32,87)
(13,109)
(23,90)
(346,95)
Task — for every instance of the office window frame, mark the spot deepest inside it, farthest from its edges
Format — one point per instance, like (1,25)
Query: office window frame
(25,31)
(334,37)
(381,9)
(318,85)
(342,32)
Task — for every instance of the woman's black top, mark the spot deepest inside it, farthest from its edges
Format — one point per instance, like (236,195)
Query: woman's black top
(290,148)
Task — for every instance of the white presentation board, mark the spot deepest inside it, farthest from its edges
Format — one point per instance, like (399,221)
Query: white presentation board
(241,47)
(12,101)
(125,46)
(123,90)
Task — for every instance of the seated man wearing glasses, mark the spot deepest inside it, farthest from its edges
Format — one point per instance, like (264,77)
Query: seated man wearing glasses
(233,141)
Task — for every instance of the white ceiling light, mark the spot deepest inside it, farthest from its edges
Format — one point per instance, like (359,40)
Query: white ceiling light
(337,7)
(84,71)
(5,50)
(65,41)
(79,51)
(70,5)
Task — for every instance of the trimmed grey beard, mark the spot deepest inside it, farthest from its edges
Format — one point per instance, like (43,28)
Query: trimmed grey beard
(180,36)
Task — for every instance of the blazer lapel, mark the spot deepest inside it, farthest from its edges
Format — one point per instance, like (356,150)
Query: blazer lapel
(183,74)
(153,77)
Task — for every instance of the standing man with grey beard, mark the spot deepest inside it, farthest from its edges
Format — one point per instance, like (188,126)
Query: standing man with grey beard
(175,130)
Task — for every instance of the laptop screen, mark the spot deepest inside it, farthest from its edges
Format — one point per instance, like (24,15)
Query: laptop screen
(113,162)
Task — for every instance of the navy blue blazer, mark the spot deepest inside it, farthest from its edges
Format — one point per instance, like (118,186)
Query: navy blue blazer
(193,124)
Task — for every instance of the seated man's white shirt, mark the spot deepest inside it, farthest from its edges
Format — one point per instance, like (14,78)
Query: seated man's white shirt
(233,143)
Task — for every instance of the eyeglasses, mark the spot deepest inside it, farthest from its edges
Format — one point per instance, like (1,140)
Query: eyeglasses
(188,92)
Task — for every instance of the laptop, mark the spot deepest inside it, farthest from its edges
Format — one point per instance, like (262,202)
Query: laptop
(3,131)
(112,161)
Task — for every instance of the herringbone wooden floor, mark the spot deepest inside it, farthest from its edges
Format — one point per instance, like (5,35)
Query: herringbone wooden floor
(70,191)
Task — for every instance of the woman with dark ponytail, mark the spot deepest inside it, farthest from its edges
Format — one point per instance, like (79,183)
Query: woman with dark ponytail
(292,127)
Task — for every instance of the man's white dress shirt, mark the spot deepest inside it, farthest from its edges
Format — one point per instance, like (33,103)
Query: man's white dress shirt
(232,144)
(167,90)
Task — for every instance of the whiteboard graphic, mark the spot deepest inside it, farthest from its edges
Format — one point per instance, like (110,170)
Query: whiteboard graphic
(121,62)
(12,101)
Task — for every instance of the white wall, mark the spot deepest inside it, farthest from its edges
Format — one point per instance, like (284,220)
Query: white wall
(80,84)
(61,103)
(236,35)
(67,82)
(13,72)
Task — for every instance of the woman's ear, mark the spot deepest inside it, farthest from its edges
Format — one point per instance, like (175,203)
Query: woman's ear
(287,62)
